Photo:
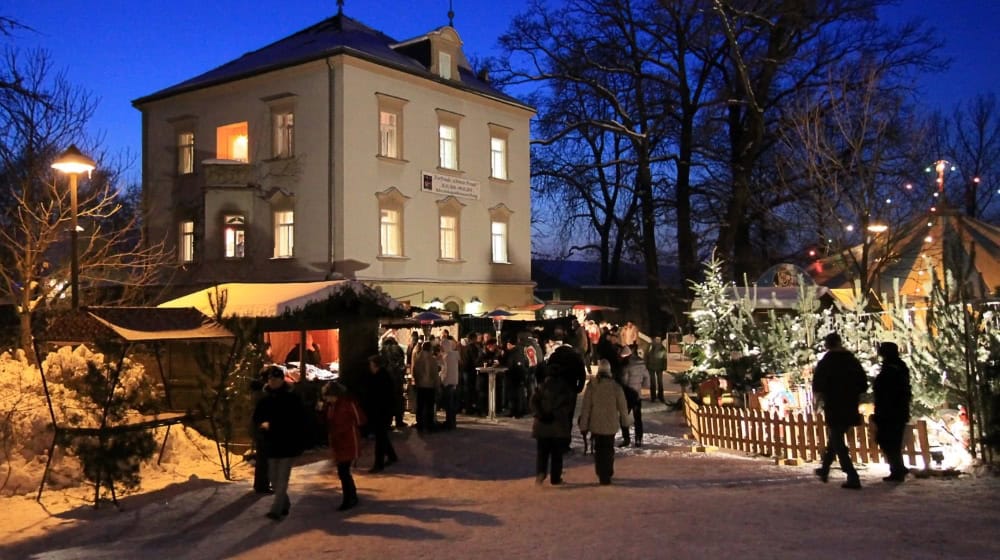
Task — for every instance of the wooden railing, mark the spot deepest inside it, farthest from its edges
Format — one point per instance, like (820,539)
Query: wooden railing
(794,437)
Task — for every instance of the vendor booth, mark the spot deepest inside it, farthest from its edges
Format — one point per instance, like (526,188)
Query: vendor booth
(316,331)
(162,340)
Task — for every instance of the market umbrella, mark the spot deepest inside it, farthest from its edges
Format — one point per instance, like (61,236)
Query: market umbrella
(428,317)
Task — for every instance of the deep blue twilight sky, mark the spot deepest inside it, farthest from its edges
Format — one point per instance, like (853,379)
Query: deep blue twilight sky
(124,49)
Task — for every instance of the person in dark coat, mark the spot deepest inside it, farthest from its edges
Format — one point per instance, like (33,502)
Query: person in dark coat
(378,407)
(261,482)
(838,381)
(552,406)
(394,358)
(567,363)
(281,420)
(892,408)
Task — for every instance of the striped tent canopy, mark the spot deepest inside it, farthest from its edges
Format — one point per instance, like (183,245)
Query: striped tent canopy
(943,238)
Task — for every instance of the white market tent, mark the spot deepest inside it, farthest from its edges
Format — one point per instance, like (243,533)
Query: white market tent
(246,299)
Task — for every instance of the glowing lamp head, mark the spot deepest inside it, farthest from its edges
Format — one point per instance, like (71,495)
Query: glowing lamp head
(878,228)
(73,161)
(939,167)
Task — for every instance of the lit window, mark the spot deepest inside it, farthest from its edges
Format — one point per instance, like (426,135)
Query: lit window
(444,65)
(498,158)
(284,230)
(388,134)
(448,143)
(234,236)
(449,237)
(283,144)
(390,233)
(499,237)
(233,142)
(390,125)
(185,246)
(185,153)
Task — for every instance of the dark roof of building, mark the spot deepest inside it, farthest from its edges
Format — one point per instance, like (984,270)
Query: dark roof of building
(333,36)
(548,274)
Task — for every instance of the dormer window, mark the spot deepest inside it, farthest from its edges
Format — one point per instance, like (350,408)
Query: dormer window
(444,65)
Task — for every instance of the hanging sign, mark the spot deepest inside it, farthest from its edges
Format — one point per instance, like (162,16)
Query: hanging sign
(448,184)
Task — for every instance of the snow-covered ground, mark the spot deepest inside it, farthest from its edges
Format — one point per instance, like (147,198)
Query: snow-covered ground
(471,494)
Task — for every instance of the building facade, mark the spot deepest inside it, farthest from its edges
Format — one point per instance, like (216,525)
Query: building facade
(341,152)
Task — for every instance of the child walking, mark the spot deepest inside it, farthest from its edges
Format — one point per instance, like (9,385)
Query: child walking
(343,420)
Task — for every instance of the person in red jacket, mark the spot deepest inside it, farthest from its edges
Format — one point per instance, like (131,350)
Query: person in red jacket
(343,419)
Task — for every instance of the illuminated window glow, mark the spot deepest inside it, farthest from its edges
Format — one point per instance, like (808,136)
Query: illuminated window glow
(232,142)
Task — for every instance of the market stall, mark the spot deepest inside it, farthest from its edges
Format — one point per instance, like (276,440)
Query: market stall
(147,335)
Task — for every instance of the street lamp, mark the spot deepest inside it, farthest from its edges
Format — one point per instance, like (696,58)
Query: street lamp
(73,162)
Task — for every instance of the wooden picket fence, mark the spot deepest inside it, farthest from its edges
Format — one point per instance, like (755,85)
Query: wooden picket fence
(796,437)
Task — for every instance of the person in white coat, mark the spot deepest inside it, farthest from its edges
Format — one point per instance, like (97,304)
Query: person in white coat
(603,411)
(449,380)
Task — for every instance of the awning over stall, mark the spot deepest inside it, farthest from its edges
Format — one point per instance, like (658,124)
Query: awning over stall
(247,299)
(133,324)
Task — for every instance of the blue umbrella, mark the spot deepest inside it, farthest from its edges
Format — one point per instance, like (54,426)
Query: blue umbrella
(428,317)
(499,314)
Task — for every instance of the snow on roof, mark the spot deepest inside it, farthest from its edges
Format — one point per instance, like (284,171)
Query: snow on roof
(247,299)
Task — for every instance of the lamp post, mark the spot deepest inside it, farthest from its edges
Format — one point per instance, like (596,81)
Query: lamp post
(73,162)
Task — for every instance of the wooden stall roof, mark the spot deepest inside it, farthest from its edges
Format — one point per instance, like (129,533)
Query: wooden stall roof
(133,324)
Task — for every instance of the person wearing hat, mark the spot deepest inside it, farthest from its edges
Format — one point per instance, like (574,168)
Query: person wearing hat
(602,412)
(838,381)
(280,419)
(892,408)
(343,420)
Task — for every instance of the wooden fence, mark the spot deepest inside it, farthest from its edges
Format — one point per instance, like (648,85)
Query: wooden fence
(797,436)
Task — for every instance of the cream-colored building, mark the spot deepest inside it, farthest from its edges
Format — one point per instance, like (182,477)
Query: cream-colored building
(341,152)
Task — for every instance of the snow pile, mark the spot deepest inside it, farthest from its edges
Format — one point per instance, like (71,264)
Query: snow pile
(25,423)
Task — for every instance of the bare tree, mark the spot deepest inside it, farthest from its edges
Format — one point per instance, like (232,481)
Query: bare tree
(855,142)
(972,139)
(779,49)
(35,212)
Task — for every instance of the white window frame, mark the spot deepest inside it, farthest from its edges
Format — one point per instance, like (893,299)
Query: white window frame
(390,136)
(234,236)
(283,133)
(449,140)
(185,241)
(185,152)
(450,234)
(444,65)
(391,223)
(500,234)
(499,152)
(284,234)
(498,158)
(448,146)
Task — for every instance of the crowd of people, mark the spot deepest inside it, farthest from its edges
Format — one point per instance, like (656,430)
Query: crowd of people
(448,375)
